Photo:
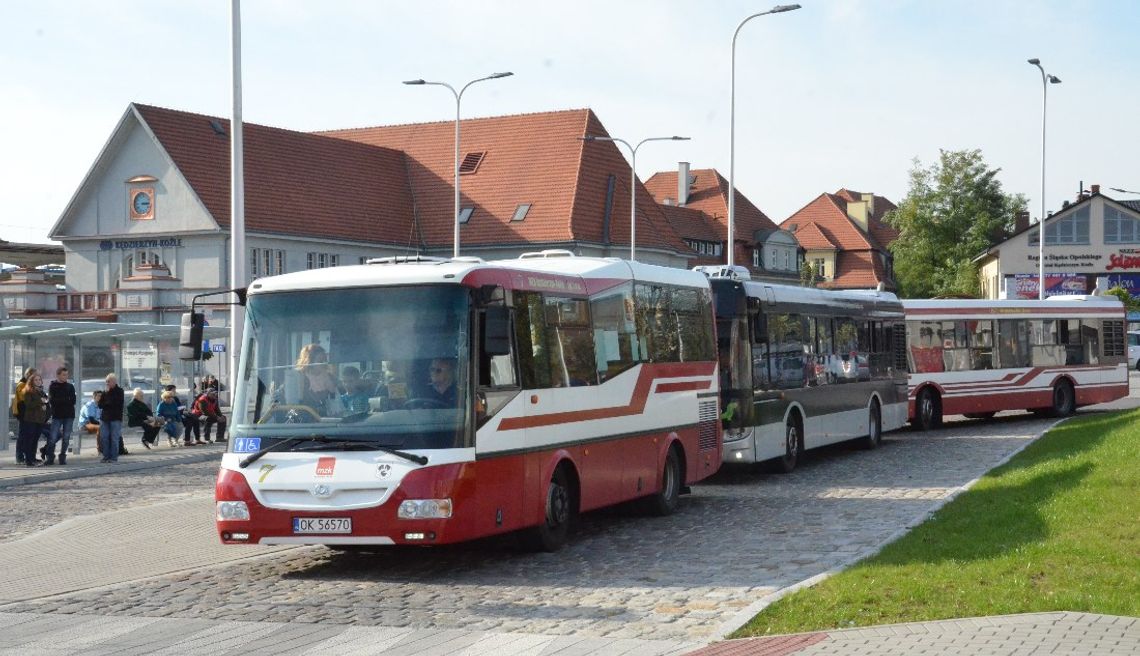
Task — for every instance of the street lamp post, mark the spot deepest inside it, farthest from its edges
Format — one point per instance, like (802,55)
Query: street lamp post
(458,97)
(633,180)
(732,130)
(1046,80)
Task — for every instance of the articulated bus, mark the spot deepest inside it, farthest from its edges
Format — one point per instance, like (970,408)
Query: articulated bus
(435,401)
(979,357)
(801,368)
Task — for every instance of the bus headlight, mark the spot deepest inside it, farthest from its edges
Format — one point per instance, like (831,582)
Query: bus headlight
(733,434)
(425,509)
(229,511)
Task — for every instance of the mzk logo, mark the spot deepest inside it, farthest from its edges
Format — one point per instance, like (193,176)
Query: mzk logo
(325,466)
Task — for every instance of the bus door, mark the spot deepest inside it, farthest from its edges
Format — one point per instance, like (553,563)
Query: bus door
(499,483)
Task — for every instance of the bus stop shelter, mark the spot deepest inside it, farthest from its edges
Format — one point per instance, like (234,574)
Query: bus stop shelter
(141,356)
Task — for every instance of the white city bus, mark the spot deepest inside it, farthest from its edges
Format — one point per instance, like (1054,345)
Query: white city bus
(802,368)
(979,357)
(577,383)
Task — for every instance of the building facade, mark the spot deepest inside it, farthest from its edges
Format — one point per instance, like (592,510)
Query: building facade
(1090,244)
(845,240)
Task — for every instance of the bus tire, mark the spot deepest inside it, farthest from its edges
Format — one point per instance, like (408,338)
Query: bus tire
(793,446)
(874,427)
(1064,400)
(927,410)
(665,501)
(552,534)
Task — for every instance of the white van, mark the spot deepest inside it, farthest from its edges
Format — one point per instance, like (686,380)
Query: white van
(1134,349)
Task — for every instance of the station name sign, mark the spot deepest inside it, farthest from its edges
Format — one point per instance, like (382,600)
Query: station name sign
(132,244)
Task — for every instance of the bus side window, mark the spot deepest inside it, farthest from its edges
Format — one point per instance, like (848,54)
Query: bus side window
(1090,340)
(1070,334)
(530,340)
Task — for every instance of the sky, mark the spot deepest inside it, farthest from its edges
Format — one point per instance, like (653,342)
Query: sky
(841,93)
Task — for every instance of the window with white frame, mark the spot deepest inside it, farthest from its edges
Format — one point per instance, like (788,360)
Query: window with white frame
(1073,229)
(756,258)
(1119,228)
(819,265)
(266,262)
(321,260)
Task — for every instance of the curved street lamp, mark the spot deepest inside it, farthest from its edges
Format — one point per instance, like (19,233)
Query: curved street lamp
(458,97)
(1046,80)
(632,179)
(778,9)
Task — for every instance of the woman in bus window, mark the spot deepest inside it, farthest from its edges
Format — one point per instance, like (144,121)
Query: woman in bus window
(318,385)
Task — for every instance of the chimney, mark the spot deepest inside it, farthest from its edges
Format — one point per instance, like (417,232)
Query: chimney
(857,212)
(682,183)
(1095,189)
(1021,221)
(869,199)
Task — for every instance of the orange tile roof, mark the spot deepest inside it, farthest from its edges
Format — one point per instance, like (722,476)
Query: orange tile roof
(295,183)
(811,237)
(709,195)
(394,184)
(530,158)
(858,264)
(858,270)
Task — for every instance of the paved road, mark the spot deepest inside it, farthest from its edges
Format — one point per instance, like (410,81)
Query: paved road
(669,584)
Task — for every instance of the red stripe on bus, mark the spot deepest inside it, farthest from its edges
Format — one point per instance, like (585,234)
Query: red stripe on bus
(636,405)
(664,388)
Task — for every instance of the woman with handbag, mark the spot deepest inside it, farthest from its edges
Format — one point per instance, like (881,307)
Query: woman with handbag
(139,415)
(34,415)
(171,414)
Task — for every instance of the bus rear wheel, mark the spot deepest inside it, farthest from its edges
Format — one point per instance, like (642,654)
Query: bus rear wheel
(793,447)
(665,501)
(874,428)
(1064,401)
(927,410)
(552,534)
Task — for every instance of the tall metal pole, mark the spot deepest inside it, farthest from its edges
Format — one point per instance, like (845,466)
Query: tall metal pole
(237,198)
(458,99)
(1046,80)
(730,246)
(633,181)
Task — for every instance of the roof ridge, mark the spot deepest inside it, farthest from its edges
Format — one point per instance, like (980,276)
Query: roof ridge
(472,119)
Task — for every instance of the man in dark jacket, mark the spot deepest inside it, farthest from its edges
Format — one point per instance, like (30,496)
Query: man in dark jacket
(111,425)
(62,396)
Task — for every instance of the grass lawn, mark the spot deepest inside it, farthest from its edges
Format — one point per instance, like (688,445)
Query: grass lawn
(1055,528)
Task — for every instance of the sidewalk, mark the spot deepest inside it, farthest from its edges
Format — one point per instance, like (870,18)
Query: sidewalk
(87,463)
(1013,635)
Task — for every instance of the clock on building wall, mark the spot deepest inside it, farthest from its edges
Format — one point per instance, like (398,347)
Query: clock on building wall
(142,203)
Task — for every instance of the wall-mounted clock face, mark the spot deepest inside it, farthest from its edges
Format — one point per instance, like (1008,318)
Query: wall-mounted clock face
(142,203)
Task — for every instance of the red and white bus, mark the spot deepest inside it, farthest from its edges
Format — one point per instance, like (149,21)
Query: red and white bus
(436,401)
(979,357)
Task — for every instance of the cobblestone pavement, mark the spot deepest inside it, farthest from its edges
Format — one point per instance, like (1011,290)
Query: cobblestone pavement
(25,509)
(683,578)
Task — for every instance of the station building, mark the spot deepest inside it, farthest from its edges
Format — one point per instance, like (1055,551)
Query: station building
(148,228)
(1091,243)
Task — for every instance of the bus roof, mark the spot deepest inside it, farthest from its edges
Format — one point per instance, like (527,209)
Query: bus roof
(594,272)
(1053,306)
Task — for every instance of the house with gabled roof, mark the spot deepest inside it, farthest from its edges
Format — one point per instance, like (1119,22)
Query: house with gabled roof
(1092,243)
(148,227)
(845,239)
(698,211)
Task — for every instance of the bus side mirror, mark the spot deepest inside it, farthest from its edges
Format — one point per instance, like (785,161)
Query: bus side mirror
(190,337)
(497,331)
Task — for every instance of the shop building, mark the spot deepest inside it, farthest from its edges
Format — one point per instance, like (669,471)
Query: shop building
(1091,244)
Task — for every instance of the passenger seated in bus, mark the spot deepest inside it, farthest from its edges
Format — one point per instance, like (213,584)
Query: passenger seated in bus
(318,385)
(357,391)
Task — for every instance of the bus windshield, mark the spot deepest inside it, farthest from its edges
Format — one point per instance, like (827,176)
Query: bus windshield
(385,365)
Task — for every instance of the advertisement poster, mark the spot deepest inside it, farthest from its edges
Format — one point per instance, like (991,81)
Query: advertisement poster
(1024,285)
(1129,281)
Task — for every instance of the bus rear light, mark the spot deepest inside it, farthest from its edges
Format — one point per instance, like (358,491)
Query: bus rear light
(425,509)
(229,511)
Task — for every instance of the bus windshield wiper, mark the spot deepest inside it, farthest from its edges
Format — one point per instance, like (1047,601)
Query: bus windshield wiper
(277,446)
(350,445)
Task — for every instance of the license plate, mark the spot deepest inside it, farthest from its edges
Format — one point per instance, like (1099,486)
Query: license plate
(322,525)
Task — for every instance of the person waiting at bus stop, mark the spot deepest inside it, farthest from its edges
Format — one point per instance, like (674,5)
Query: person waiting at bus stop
(111,421)
(207,411)
(62,395)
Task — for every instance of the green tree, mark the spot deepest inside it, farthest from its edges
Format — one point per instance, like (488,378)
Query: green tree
(807,275)
(1130,304)
(954,210)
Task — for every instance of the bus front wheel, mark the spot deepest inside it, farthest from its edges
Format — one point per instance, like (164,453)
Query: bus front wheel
(793,447)
(927,410)
(552,534)
(1064,401)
